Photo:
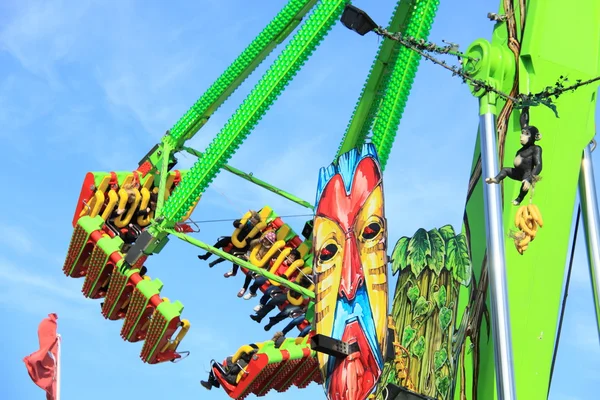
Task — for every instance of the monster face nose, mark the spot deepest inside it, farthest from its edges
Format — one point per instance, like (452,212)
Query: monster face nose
(352,276)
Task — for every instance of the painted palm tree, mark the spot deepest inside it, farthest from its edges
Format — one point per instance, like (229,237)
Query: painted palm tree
(431,267)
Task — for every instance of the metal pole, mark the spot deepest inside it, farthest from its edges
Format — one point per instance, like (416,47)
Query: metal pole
(591,223)
(492,200)
(243,263)
(256,181)
(58,365)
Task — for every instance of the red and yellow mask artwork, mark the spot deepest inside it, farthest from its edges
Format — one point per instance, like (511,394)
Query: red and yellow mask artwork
(350,261)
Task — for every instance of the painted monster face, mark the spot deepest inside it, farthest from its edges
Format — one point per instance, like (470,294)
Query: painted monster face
(349,241)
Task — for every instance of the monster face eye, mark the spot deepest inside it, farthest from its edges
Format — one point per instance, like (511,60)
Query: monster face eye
(372,230)
(328,252)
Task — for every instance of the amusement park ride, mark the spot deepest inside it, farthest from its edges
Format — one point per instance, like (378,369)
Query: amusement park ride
(434,342)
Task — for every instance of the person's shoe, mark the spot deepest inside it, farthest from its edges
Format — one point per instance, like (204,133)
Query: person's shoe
(256,318)
(241,292)
(228,274)
(213,263)
(204,256)
(249,295)
(267,327)
(206,385)
(258,307)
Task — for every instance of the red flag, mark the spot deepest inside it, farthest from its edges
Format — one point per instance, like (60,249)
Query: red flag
(41,364)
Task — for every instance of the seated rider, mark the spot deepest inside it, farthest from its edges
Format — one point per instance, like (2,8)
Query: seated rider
(227,246)
(261,280)
(277,298)
(229,368)
(130,190)
(298,318)
(266,241)
(151,206)
(269,292)
(291,311)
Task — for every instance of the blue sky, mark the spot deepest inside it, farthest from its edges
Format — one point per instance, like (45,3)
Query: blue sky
(90,85)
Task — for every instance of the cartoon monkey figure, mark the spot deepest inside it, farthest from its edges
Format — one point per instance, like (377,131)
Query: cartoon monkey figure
(528,161)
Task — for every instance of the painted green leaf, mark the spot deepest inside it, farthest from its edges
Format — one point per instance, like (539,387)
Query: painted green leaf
(418,249)
(442,383)
(445,318)
(418,348)
(440,357)
(458,260)
(413,294)
(438,251)
(441,297)
(408,335)
(447,232)
(400,254)
(421,307)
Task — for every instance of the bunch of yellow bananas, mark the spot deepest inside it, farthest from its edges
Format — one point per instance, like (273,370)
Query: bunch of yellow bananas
(528,219)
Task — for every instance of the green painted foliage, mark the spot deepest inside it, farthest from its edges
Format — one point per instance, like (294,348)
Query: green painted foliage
(440,357)
(458,260)
(421,307)
(438,251)
(399,255)
(445,317)
(418,348)
(442,384)
(408,336)
(419,248)
(441,297)
(447,232)
(413,294)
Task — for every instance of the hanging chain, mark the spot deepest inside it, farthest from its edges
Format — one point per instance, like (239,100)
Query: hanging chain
(522,100)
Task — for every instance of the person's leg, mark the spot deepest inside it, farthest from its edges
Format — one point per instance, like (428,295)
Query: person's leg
(233,272)
(305,331)
(221,243)
(277,319)
(267,308)
(212,381)
(258,282)
(215,262)
(247,281)
(294,323)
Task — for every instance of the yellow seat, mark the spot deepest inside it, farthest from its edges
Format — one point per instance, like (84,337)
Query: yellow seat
(283,232)
(306,271)
(261,262)
(96,202)
(303,249)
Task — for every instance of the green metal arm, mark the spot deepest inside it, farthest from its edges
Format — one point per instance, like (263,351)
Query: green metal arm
(377,81)
(256,181)
(251,111)
(401,80)
(243,263)
(273,34)
(387,88)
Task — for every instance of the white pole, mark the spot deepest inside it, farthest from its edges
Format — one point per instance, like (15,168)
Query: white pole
(59,343)
(591,223)
(492,202)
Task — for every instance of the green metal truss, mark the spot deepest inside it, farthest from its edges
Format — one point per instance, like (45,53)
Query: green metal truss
(382,101)
(250,112)
(558,41)
(273,34)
